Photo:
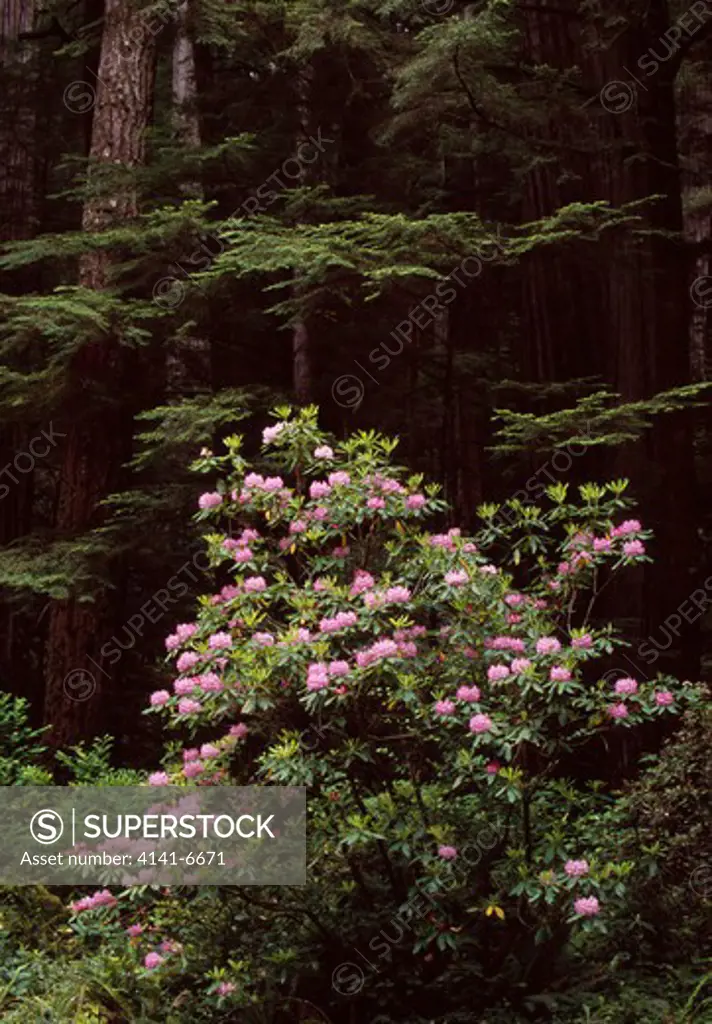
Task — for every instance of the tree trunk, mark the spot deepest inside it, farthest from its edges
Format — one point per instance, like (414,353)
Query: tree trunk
(188,362)
(78,686)
(301,340)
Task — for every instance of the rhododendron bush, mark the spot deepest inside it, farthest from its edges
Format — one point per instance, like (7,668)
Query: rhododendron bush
(442,697)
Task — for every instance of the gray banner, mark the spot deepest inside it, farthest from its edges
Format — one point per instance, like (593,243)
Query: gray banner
(153,835)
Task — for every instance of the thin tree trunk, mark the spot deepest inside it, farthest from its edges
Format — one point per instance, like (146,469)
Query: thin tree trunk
(301,341)
(78,686)
(188,361)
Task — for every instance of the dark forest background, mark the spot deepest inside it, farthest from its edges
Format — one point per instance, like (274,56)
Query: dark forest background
(413,214)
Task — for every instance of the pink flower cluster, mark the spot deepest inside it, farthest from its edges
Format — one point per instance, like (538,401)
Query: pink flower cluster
(101,898)
(505,643)
(362,581)
(587,906)
(446,540)
(269,485)
(183,632)
(496,673)
(210,500)
(547,645)
(342,620)
(480,724)
(576,868)
(381,649)
(626,686)
(520,665)
(320,673)
(447,852)
(270,434)
(393,595)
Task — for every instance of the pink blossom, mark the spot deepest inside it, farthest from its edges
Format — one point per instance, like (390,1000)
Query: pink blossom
(339,668)
(187,660)
(602,544)
(184,686)
(633,547)
(152,960)
(342,620)
(576,868)
(270,434)
(158,779)
(263,639)
(513,619)
(514,600)
(559,674)
(254,584)
(587,906)
(407,649)
(397,595)
(663,698)
(298,526)
(626,686)
(159,698)
(391,487)
(211,499)
(317,676)
(618,711)
(447,852)
(239,731)
(209,750)
(471,694)
(445,707)
(375,503)
(341,552)
(415,501)
(248,535)
(497,672)
(492,767)
(101,898)
(563,568)
(243,555)
(319,513)
(134,929)
(442,540)
(193,768)
(480,723)
(381,649)
(191,754)
(520,665)
(547,645)
(225,988)
(339,478)
(323,452)
(209,682)
(456,577)
(582,643)
(272,484)
(362,581)
(219,640)
(319,489)
(170,946)
(506,643)
(629,526)
(186,706)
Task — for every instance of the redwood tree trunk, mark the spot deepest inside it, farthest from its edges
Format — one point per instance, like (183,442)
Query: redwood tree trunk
(78,685)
